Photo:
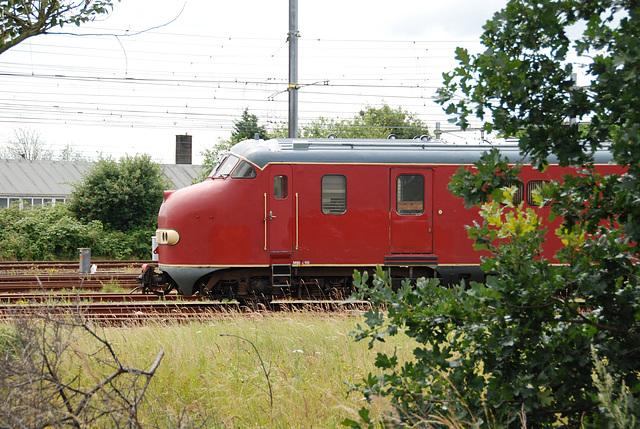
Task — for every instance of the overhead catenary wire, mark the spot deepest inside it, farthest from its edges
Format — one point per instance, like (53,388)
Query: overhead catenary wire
(201,87)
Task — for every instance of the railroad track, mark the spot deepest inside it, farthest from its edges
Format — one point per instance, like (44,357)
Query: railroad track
(86,297)
(48,282)
(54,289)
(53,267)
(131,312)
(121,312)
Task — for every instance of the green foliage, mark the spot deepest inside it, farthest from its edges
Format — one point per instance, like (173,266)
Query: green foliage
(369,123)
(21,19)
(615,401)
(323,128)
(53,233)
(247,127)
(383,121)
(491,173)
(517,350)
(9,341)
(211,159)
(524,80)
(243,129)
(123,195)
(46,233)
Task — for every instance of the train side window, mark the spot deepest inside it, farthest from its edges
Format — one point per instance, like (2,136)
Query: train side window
(280,187)
(244,170)
(410,194)
(532,187)
(518,196)
(334,194)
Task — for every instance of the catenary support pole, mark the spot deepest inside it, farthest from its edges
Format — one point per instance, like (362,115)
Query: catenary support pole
(293,68)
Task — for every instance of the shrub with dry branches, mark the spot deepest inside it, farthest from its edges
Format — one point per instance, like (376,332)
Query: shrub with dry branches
(48,380)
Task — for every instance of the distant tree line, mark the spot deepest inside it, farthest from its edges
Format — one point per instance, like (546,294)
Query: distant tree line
(27,143)
(369,123)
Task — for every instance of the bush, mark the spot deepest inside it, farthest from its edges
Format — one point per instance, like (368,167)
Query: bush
(123,195)
(47,380)
(53,233)
(516,351)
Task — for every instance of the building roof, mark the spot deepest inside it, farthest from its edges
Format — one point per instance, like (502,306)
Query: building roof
(24,178)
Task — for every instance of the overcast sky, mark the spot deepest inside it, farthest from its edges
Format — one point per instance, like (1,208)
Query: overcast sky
(156,68)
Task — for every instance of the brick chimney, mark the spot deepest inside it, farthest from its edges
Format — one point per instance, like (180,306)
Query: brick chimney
(183,149)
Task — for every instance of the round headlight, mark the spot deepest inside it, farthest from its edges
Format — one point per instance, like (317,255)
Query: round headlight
(168,237)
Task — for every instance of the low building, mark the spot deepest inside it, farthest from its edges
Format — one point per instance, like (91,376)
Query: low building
(33,183)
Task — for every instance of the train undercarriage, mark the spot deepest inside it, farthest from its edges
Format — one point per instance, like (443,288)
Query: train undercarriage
(273,283)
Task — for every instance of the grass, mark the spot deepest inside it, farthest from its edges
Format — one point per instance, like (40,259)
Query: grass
(208,371)
(112,286)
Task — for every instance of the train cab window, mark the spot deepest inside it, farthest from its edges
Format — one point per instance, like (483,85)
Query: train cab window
(532,187)
(410,194)
(334,194)
(244,170)
(280,187)
(214,169)
(226,167)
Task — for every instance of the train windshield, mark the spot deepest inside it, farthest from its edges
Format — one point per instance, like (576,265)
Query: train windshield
(225,167)
(244,170)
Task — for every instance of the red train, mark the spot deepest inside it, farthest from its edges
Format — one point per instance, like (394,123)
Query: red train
(286,217)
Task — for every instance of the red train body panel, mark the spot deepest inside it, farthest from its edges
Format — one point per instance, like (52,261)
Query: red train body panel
(279,215)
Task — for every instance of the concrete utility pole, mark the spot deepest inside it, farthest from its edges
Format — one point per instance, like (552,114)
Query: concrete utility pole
(293,68)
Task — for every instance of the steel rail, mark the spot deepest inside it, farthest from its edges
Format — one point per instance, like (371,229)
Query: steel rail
(161,311)
(43,282)
(15,266)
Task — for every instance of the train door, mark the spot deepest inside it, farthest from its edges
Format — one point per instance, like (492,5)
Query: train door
(279,210)
(410,205)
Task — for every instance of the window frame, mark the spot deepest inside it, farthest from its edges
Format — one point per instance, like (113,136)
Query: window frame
(399,193)
(538,184)
(281,195)
(228,170)
(325,197)
(240,166)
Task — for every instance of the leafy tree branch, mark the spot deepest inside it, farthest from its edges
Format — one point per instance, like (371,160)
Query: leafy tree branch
(21,19)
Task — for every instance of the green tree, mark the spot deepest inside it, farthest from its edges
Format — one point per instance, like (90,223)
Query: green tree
(323,128)
(21,19)
(124,195)
(245,128)
(517,351)
(384,121)
(369,123)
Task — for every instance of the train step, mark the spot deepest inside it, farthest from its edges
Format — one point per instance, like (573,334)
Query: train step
(281,275)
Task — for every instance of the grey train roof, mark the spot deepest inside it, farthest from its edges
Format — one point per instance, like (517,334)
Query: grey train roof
(19,177)
(365,151)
